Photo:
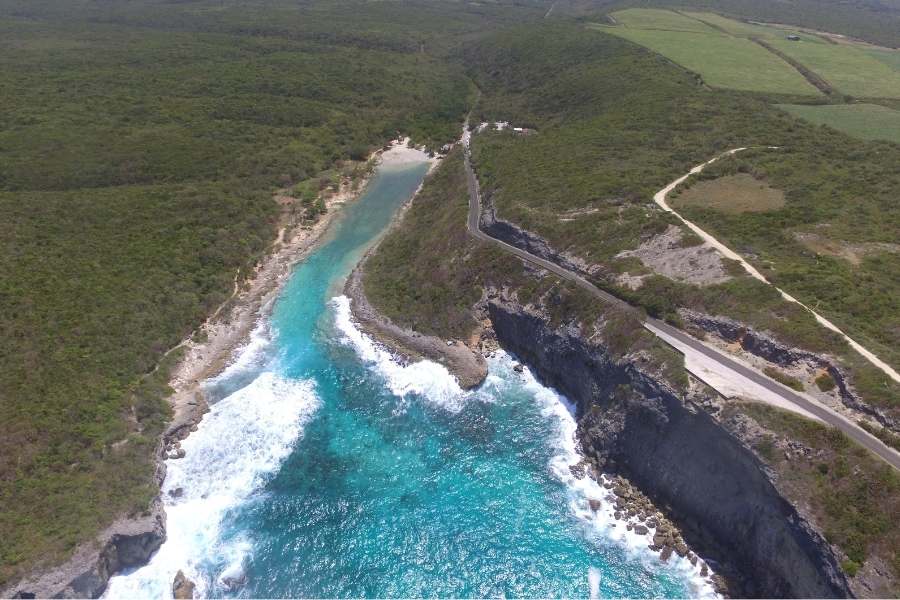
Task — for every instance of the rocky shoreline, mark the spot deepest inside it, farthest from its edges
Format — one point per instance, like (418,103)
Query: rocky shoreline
(130,541)
(670,445)
(632,510)
(468,366)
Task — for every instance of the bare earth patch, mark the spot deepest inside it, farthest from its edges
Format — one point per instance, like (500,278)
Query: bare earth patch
(732,194)
(839,249)
(699,264)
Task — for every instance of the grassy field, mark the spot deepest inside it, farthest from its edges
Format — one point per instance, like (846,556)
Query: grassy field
(722,51)
(863,121)
(663,20)
(891,58)
(875,21)
(750,30)
(731,194)
(849,69)
(722,61)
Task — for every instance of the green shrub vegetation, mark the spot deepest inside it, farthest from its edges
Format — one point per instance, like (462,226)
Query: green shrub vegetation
(780,377)
(825,382)
(852,496)
(430,283)
(412,278)
(885,435)
(140,146)
(618,123)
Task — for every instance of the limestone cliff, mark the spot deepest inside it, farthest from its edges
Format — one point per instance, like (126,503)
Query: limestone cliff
(672,446)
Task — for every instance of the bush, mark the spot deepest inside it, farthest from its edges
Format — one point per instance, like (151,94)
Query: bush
(825,382)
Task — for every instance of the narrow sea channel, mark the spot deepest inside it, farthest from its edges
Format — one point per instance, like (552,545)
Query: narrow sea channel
(327,469)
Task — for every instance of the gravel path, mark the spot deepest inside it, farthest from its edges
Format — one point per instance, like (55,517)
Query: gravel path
(660,199)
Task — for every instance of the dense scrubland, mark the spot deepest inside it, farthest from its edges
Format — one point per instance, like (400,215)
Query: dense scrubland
(140,146)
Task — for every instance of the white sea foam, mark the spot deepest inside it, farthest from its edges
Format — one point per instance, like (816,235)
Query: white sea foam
(602,522)
(425,378)
(594,582)
(238,444)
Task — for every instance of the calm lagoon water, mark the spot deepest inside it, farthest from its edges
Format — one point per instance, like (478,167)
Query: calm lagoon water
(327,469)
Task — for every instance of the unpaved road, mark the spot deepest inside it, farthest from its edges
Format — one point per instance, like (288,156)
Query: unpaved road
(664,330)
(660,199)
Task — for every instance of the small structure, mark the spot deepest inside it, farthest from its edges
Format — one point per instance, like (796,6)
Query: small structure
(794,38)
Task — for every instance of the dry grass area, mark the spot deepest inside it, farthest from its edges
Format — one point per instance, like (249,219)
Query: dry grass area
(733,194)
(854,253)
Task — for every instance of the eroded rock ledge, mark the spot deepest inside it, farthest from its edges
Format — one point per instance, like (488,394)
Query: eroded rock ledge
(671,445)
(468,366)
(127,543)
(768,348)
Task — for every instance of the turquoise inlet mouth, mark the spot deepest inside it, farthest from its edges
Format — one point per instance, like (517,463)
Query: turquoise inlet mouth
(327,469)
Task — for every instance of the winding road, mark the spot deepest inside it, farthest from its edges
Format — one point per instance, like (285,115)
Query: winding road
(676,337)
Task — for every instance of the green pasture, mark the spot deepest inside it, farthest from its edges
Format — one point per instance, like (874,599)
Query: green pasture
(863,121)
(722,61)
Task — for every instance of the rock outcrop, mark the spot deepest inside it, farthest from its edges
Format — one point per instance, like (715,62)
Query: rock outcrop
(514,235)
(670,444)
(127,543)
(468,366)
(182,587)
(768,348)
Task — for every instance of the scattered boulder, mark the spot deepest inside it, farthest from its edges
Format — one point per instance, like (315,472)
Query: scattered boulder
(666,553)
(177,492)
(518,368)
(595,504)
(182,587)
(577,470)
(641,529)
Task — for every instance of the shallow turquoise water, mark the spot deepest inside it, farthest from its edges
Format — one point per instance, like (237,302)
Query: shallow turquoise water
(326,469)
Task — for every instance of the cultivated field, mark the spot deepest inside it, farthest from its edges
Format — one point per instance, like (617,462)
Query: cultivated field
(889,57)
(724,51)
(849,69)
(722,61)
(743,29)
(864,121)
(666,20)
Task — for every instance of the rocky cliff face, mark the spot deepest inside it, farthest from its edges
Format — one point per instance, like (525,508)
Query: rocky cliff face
(768,348)
(514,235)
(128,543)
(673,448)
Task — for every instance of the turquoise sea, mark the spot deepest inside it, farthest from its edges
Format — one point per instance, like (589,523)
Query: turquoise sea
(327,469)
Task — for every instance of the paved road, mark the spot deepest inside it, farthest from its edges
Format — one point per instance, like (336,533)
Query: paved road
(851,429)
